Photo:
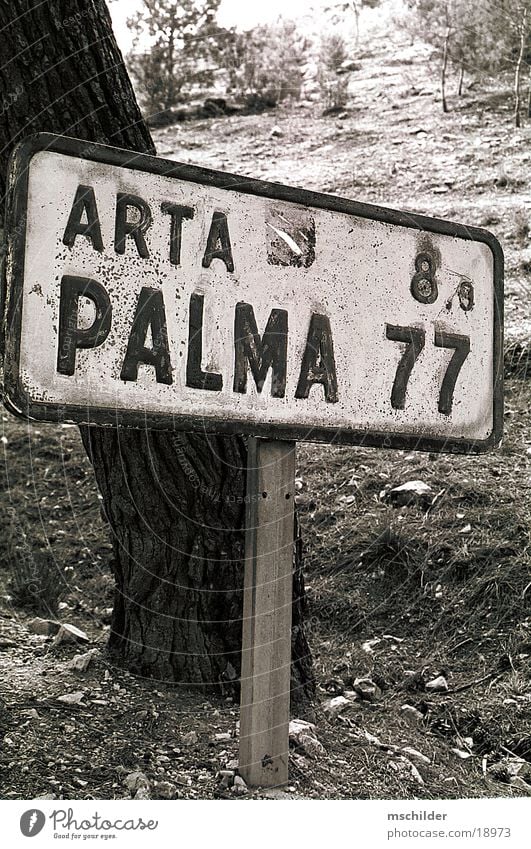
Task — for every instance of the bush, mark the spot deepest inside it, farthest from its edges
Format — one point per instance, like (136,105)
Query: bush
(33,583)
(333,77)
(266,64)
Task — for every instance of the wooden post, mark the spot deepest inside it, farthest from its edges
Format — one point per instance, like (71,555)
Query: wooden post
(266,645)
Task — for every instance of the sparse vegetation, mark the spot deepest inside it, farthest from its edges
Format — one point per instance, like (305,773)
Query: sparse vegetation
(333,76)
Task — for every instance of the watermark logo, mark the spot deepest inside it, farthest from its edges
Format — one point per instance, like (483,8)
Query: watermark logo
(32,822)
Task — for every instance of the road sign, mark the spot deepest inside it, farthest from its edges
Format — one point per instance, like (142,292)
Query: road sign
(147,293)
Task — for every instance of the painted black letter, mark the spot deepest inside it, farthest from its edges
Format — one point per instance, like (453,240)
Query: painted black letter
(260,354)
(149,314)
(84,204)
(195,376)
(218,242)
(318,363)
(135,229)
(72,337)
(178,213)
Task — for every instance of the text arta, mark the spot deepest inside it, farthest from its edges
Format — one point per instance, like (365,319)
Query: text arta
(255,351)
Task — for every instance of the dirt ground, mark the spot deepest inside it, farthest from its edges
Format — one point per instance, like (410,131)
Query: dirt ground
(398,595)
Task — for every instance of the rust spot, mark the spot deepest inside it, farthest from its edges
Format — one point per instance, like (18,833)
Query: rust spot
(290,237)
(465,293)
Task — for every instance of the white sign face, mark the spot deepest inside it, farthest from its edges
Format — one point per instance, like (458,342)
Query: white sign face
(149,293)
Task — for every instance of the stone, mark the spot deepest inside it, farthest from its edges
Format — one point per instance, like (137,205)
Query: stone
(335,706)
(276,132)
(409,494)
(189,739)
(411,714)
(367,689)
(43,627)
(135,782)
(437,685)
(239,787)
(166,790)
(81,662)
(31,713)
(70,634)
(72,698)
(302,736)
(414,753)
(223,737)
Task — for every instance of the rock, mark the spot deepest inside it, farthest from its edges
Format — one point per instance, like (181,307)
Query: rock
(6,643)
(302,736)
(72,698)
(227,778)
(239,787)
(437,685)
(70,634)
(367,689)
(166,790)
(31,714)
(335,706)
(43,627)
(81,662)
(462,754)
(223,737)
(414,753)
(408,494)
(411,714)
(276,132)
(189,739)
(137,782)
(521,785)
(415,773)
(369,645)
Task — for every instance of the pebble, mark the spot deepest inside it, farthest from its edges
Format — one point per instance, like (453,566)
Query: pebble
(189,739)
(411,714)
(70,634)
(43,627)
(437,685)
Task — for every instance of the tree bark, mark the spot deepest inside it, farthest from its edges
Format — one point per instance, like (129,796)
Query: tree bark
(175,502)
(518,68)
(461,78)
(443,70)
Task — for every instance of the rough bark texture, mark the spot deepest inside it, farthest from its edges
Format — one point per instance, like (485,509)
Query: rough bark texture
(443,70)
(518,67)
(174,502)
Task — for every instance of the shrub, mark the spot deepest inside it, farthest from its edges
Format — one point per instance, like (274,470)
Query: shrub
(333,78)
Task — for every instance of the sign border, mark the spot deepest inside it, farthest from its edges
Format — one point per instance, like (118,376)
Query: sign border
(17,401)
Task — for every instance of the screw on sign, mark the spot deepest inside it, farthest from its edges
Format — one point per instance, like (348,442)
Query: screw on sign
(145,293)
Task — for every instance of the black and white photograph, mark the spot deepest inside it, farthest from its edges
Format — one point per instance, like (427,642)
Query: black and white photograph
(265,526)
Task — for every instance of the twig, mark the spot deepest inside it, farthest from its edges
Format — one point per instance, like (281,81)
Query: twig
(473,683)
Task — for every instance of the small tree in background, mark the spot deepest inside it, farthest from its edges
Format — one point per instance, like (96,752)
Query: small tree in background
(183,39)
(332,77)
(478,36)
(266,64)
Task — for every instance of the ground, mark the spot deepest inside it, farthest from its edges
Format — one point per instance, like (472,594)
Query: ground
(399,595)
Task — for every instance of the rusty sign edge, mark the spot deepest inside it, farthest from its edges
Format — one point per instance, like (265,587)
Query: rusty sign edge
(15,398)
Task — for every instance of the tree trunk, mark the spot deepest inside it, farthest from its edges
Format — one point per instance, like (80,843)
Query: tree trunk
(175,502)
(461,78)
(518,69)
(443,70)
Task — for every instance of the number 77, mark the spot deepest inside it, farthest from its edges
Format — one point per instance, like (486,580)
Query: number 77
(414,337)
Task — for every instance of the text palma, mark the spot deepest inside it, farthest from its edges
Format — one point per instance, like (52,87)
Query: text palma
(254,352)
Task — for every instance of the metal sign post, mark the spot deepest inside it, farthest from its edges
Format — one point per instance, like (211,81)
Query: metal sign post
(146,293)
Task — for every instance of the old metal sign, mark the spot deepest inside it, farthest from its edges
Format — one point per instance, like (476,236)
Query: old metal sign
(149,293)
